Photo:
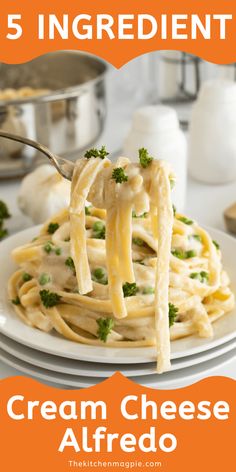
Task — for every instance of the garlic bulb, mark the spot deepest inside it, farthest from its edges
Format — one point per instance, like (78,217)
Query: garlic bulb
(43,193)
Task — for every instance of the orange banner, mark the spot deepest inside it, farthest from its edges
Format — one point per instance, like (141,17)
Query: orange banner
(118,31)
(117,425)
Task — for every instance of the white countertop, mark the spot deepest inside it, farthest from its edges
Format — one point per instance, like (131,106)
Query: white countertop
(205,203)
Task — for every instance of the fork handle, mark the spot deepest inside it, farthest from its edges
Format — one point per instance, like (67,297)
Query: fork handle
(40,147)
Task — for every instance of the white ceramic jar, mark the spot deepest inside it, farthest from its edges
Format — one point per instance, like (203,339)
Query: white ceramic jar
(212,140)
(156,128)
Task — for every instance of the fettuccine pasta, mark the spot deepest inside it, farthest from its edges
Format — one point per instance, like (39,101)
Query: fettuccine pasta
(126,271)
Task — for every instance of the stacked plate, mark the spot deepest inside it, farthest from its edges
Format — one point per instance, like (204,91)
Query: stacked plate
(53,359)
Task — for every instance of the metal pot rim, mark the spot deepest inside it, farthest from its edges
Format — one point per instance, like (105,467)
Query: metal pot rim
(63,93)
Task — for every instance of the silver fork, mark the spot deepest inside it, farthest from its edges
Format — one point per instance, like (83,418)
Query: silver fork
(63,166)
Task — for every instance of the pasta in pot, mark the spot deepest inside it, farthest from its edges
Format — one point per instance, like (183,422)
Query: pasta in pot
(21,93)
(126,271)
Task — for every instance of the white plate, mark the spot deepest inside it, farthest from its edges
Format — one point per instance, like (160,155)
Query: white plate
(184,377)
(13,327)
(169,380)
(89,369)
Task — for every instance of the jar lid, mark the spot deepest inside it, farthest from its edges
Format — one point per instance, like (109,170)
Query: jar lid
(218,91)
(154,118)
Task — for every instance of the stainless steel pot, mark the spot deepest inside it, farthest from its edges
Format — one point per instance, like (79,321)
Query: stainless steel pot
(68,119)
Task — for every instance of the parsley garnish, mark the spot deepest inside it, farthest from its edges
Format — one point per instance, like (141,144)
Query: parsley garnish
(202,276)
(103,152)
(119,175)
(70,263)
(16,301)
(189,254)
(197,237)
(185,220)
(4,214)
(26,277)
(94,152)
(49,299)
(144,158)
(183,254)
(173,311)
(143,215)
(105,326)
(174,209)
(138,241)
(129,290)
(87,210)
(3,231)
(52,227)
(216,244)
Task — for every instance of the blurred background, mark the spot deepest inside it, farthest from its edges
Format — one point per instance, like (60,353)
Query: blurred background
(176,105)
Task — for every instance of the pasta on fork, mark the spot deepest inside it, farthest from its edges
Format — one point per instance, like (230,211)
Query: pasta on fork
(126,271)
